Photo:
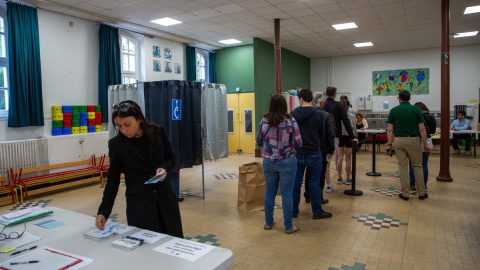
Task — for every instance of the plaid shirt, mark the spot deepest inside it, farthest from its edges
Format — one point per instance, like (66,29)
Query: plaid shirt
(279,142)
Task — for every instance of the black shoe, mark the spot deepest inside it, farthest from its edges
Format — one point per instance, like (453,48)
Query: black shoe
(423,197)
(402,197)
(295,216)
(324,201)
(307,200)
(413,190)
(322,215)
(180,199)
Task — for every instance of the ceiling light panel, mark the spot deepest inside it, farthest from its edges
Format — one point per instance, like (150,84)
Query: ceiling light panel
(343,26)
(363,44)
(166,21)
(229,41)
(473,9)
(465,34)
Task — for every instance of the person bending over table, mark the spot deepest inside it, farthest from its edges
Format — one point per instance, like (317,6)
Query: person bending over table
(461,123)
(141,150)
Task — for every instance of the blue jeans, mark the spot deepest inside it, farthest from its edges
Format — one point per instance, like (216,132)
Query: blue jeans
(425,156)
(282,172)
(175,182)
(313,164)
(306,194)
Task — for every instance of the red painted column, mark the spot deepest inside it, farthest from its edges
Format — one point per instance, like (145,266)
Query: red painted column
(278,58)
(444,174)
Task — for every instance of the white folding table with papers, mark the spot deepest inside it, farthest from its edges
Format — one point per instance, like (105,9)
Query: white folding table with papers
(69,238)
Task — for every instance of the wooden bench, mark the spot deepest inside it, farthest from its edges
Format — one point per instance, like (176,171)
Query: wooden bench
(6,188)
(66,175)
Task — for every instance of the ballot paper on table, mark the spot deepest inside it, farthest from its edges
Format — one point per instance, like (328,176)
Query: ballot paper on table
(149,236)
(184,249)
(24,215)
(100,235)
(120,228)
(159,176)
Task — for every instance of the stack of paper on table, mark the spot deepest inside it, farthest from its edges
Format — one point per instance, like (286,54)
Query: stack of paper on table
(100,235)
(127,243)
(24,215)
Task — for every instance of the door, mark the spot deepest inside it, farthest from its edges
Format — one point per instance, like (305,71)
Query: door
(241,122)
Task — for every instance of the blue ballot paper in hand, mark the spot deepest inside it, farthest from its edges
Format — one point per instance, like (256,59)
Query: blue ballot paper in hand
(159,176)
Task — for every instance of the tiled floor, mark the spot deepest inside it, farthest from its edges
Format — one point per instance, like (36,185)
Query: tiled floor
(374,231)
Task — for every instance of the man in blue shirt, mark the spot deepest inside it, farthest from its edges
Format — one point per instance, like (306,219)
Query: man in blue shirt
(461,123)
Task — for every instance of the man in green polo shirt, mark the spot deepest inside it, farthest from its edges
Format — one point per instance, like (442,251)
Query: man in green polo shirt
(405,124)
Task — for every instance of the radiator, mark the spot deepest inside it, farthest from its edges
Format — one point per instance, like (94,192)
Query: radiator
(23,154)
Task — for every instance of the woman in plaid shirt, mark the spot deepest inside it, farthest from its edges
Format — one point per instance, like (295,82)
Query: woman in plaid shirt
(279,135)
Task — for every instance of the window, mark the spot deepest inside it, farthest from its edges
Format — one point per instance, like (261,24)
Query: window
(129,59)
(202,64)
(3,66)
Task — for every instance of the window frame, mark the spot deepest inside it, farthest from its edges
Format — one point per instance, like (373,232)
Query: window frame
(130,74)
(205,56)
(4,63)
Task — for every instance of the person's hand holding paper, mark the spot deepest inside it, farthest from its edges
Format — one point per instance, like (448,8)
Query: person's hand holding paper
(160,176)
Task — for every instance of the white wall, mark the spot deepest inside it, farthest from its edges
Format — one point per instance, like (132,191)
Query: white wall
(178,56)
(353,74)
(69,61)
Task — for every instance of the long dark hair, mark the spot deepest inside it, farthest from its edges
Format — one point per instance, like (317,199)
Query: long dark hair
(128,108)
(277,111)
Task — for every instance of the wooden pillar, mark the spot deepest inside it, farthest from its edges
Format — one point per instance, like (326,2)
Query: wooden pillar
(278,58)
(444,174)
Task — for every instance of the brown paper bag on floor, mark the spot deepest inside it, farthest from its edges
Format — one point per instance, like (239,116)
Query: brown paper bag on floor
(251,187)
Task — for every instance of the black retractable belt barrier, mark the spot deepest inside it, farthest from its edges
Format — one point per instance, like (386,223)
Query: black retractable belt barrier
(353,192)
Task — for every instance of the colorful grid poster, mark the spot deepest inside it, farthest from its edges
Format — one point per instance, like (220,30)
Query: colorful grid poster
(390,82)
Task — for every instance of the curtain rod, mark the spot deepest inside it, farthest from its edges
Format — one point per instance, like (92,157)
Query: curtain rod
(25,4)
(186,44)
(126,29)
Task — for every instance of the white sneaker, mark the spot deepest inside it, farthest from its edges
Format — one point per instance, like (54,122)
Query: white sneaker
(329,188)
(467,153)
(336,172)
(349,182)
(339,181)
(456,152)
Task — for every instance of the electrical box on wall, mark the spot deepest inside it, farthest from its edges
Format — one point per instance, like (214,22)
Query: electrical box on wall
(368,103)
(361,103)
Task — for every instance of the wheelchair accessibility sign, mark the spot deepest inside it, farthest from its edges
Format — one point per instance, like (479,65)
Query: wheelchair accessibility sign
(176,109)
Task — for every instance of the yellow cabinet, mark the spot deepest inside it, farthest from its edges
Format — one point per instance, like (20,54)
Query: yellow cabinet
(241,122)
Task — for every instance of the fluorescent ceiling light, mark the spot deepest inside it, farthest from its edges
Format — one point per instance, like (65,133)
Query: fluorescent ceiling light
(363,44)
(345,26)
(166,21)
(230,41)
(465,34)
(473,9)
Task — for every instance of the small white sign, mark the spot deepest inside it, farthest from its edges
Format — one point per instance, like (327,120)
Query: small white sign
(185,249)
(149,236)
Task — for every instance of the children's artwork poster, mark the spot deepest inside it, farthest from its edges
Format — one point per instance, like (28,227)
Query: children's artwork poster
(156,52)
(390,82)
(156,65)
(168,53)
(168,66)
(178,68)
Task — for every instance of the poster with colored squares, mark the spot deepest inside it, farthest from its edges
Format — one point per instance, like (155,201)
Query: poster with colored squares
(390,82)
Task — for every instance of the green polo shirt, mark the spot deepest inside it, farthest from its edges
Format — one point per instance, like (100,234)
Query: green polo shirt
(405,119)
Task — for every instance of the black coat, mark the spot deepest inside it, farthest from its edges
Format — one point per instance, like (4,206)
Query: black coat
(153,206)
(340,116)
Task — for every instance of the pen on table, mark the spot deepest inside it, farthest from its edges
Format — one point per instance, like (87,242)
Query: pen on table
(15,263)
(16,252)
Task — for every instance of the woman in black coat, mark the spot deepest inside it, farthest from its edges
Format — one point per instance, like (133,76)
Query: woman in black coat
(141,150)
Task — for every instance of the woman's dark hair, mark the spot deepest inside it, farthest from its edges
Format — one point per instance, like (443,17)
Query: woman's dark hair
(360,114)
(277,111)
(344,103)
(422,106)
(129,108)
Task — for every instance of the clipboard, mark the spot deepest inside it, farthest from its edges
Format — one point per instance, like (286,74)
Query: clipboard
(47,259)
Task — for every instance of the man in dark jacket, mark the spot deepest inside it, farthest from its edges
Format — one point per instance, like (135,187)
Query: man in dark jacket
(312,129)
(340,115)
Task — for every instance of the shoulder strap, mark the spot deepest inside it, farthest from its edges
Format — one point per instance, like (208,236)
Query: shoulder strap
(265,134)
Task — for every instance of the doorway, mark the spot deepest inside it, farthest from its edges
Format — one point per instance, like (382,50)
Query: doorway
(241,122)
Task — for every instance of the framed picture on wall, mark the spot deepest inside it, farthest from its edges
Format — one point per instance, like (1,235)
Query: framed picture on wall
(168,53)
(156,65)
(156,52)
(178,68)
(168,66)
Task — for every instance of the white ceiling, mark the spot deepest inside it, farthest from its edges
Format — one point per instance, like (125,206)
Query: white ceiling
(305,26)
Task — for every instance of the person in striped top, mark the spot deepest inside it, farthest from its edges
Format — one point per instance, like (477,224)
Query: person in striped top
(279,135)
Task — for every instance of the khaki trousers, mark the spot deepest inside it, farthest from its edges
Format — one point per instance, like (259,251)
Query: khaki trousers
(409,147)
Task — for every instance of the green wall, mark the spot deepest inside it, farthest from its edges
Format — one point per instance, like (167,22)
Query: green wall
(295,73)
(235,68)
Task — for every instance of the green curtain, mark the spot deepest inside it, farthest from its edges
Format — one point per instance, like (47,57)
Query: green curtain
(109,66)
(212,68)
(191,64)
(25,76)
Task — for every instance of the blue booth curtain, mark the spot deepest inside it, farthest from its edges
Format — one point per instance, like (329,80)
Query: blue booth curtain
(25,76)
(109,65)
(191,64)
(212,68)
(176,105)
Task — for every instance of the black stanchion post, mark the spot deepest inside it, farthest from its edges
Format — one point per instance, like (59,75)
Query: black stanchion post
(373,172)
(353,191)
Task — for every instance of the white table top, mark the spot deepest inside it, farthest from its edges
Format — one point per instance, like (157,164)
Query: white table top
(378,131)
(69,238)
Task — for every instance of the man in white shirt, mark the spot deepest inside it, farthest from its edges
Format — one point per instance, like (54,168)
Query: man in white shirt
(461,123)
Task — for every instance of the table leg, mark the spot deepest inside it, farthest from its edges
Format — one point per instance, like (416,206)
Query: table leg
(373,172)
